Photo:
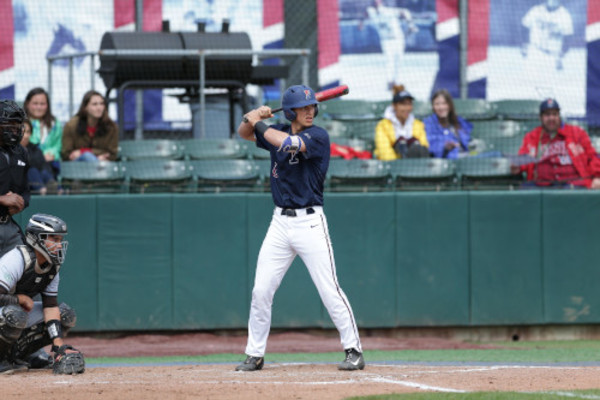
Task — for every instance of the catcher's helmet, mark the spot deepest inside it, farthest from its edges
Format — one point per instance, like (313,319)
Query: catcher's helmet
(11,122)
(298,96)
(38,229)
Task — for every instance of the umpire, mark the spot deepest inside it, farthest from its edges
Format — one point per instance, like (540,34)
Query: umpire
(14,191)
(14,164)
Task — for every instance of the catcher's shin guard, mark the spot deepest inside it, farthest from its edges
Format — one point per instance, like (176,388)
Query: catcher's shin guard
(12,322)
(36,336)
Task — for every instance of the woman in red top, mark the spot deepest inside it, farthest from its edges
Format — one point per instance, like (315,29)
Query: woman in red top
(90,135)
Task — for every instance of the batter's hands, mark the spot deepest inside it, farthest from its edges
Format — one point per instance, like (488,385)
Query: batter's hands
(595,183)
(254,116)
(13,201)
(25,302)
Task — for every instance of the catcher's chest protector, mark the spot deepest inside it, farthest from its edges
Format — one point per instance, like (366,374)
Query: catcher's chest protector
(32,282)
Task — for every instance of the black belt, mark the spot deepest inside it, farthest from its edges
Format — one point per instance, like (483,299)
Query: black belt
(290,212)
(4,219)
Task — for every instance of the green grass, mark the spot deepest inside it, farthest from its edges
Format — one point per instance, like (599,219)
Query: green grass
(510,352)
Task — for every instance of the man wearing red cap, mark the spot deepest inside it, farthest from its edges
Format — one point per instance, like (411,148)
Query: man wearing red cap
(564,155)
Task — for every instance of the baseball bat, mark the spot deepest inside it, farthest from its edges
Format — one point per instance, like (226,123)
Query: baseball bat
(325,95)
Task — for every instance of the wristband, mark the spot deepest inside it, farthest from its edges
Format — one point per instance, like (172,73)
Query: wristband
(260,128)
(54,329)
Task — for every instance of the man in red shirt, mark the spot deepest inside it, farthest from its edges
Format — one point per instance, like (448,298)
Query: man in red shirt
(564,155)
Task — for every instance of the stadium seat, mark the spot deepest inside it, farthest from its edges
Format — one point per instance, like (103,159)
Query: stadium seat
(423,174)
(358,175)
(205,149)
(355,143)
(518,109)
(497,128)
(91,177)
(484,173)
(348,109)
(507,146)
(361,129)
(158,176)
(150,149)
(257,153)
(422,109)
(474,109)
(226,175)
(596,143)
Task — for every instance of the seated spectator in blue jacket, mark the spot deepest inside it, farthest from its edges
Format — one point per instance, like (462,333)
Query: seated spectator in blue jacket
(447,133)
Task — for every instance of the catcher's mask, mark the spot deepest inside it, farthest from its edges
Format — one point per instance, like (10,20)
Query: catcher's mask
(37,232)
(11,123)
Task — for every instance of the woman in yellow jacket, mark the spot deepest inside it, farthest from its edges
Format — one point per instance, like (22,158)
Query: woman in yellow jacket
(399,134)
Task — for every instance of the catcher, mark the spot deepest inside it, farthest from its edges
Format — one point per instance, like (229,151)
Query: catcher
(27,326)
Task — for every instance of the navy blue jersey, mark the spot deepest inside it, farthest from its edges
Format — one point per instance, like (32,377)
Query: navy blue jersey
(297,179)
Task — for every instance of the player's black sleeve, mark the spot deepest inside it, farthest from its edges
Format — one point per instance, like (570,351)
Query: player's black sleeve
(49,301)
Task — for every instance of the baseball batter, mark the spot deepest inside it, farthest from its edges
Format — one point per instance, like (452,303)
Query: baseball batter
(299,161)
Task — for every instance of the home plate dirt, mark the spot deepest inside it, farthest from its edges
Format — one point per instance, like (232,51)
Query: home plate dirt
(276,380)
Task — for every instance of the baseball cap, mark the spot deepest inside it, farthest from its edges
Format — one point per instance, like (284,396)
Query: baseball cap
(402,96)
(549,104)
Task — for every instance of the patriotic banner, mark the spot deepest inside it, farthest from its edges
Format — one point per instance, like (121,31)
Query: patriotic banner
(328,43)
(7,61)
(272,39)
(447,35)
(478,32)
(592,38)
(124,19)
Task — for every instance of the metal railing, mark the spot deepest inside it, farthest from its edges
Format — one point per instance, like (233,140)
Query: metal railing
(201,54)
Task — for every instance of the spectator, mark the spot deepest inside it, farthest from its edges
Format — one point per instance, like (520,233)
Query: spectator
(558,154)
(47,130)
(40,174)
(399,134)
(447,133)
(90,135)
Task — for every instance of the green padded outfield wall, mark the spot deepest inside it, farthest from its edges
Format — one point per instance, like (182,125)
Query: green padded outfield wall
(420,259)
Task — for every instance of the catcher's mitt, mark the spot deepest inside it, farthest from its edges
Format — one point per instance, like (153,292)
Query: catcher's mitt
(67,363)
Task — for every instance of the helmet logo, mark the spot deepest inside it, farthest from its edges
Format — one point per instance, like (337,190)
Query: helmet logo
(307,94)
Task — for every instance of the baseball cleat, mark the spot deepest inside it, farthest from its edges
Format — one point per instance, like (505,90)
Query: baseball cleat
(7,367)
(251,364)
(354,360)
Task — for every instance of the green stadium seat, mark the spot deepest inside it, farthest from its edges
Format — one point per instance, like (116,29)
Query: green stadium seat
(358,175)
(507,146)
(356,143)
(226,175)
(596,143)
(474,109)
(519,109)
(91,177)
(497,128)
(421,109)
(348,109)
(158,175)
(256,153)
(485,173)
(423,174)
(364,129)
(204,149)
(150,149)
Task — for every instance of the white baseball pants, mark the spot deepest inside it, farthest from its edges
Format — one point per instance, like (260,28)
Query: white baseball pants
(306,235)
